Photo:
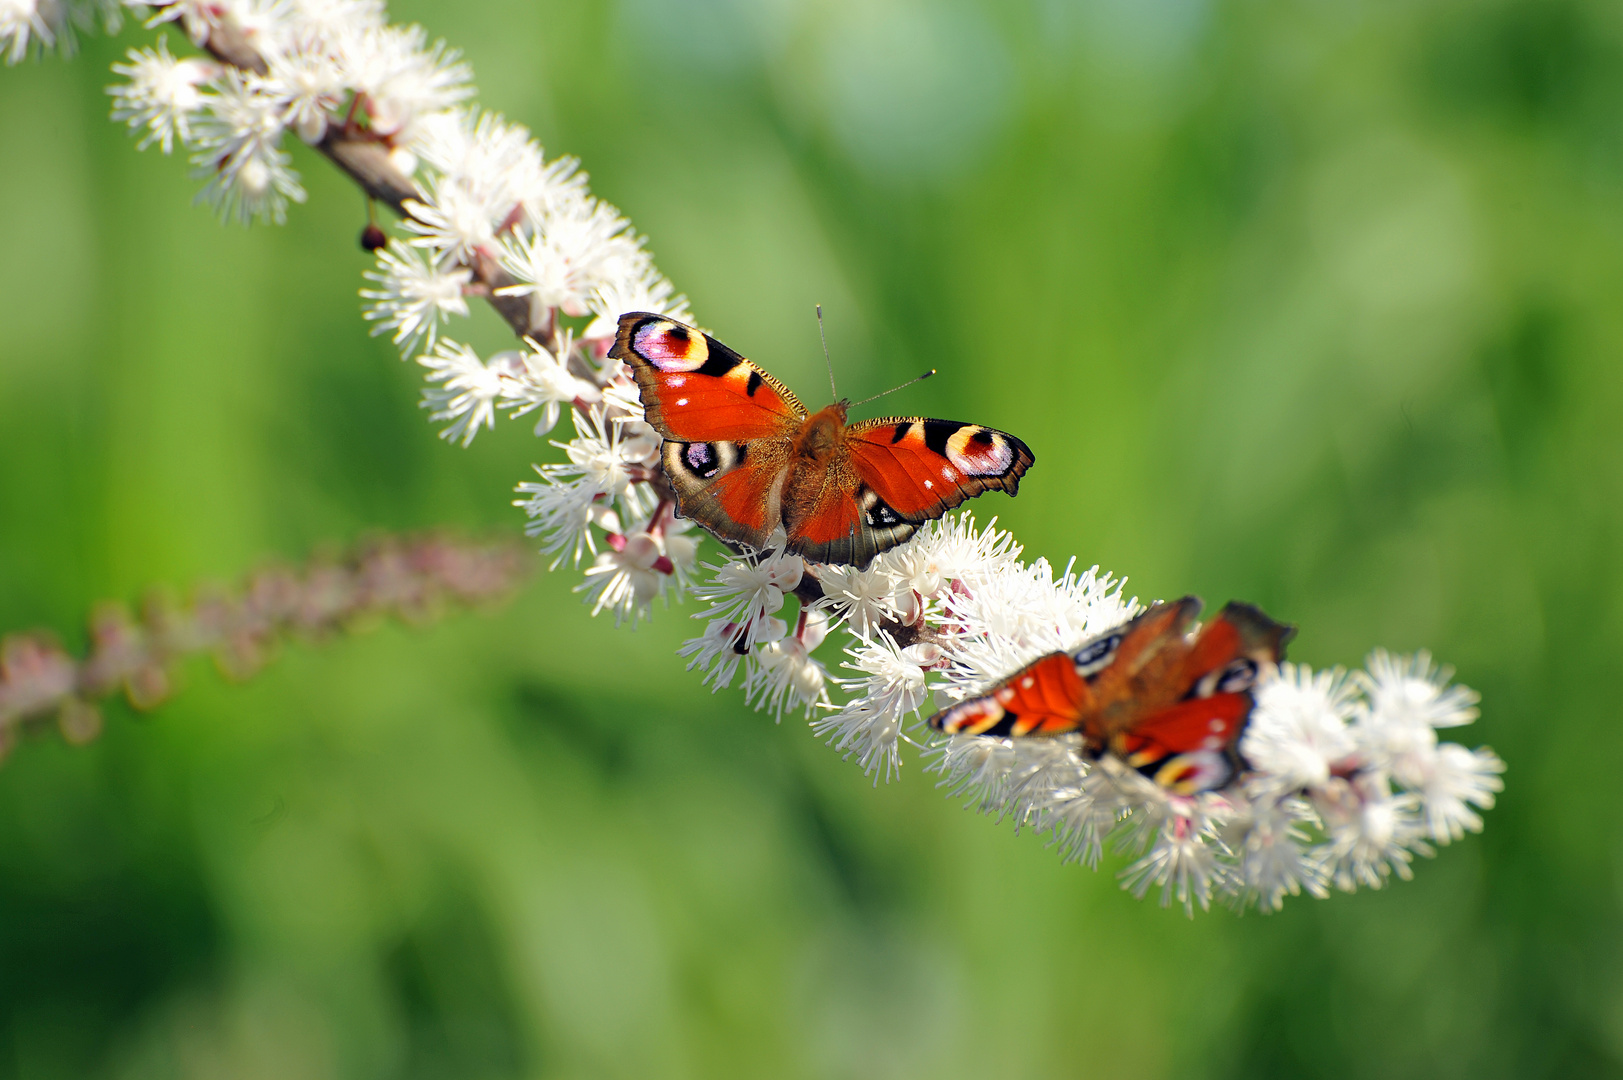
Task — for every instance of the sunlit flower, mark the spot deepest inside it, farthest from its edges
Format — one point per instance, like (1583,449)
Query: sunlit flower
(745,590)
(537,381)
(163,95)
(627,578)
(453,222)
(785,675)
(890,690)
(860,597)
(467,390)
(414,296)
(238,138)
(1298,730)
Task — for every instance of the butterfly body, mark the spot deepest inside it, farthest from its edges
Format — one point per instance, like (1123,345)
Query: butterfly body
(1167,703)
(745,457)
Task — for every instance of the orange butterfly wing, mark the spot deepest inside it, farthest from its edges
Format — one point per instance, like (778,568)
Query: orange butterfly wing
(922,468)
(695,389)
(1168,706)
(1046,697)
(726,424)
(1188,747)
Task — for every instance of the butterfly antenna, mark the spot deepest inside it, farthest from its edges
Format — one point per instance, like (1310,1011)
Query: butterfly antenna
(826,360)
(892,390)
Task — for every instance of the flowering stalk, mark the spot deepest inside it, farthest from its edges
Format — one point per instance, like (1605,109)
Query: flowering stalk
(413,579)
(1345,781)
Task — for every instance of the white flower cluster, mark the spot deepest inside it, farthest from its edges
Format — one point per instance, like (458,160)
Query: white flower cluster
(1345,780)
(34,26)
(493,217)
(326,65)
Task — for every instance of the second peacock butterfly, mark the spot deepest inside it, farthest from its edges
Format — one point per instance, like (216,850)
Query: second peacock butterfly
(1165,702)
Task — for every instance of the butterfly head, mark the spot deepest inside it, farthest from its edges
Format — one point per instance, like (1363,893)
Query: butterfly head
(820,436)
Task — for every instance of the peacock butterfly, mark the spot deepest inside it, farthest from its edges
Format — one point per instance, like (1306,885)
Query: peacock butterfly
(744,457)
(1166,702)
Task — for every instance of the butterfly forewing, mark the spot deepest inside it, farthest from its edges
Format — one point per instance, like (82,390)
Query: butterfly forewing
(696,389)
(922,468)
(1046,697)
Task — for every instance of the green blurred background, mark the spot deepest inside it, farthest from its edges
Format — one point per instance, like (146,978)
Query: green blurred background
(1313,304)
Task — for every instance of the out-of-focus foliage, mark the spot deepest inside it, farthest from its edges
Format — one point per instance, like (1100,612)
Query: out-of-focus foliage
(1312,304)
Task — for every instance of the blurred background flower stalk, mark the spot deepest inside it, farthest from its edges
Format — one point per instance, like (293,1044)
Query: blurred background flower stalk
(413,579)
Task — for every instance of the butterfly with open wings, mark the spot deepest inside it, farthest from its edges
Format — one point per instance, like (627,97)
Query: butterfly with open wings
(745,457)
(1168,703)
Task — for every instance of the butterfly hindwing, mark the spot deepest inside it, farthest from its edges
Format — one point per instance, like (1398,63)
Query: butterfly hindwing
(730,488)
(695,389)
(833,516)
(921,468)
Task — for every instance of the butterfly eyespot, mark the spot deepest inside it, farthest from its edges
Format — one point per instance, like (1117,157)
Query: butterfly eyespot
(978,451)
(1192,773)
(1235,677)
(1096,655)
(876,513)
(706,461)
(671,346)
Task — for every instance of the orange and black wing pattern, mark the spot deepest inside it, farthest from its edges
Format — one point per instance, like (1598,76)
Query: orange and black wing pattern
(695,389)
(1046,697)
(921,468)
(1164,702)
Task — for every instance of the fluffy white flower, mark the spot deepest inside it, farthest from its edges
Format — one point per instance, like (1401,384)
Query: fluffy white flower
(403,77)
(23,22)
(163,95)
(1372,832)
(1012,614)
(307,85)
(1409,699)
(891,689)
(452,221)
(467,390)
(785,674)
(570,255)
(859,597)
(1183,861)
(746,590)
(1082,814)
(37,25)
(627,578)
(537,380)
(497,163)
(561,510)
(414,297)
(1455,780)
(196,17)
(723,647)
(238,139)
(1270,837)
(1413,690)
(569,497)
(1298,730)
